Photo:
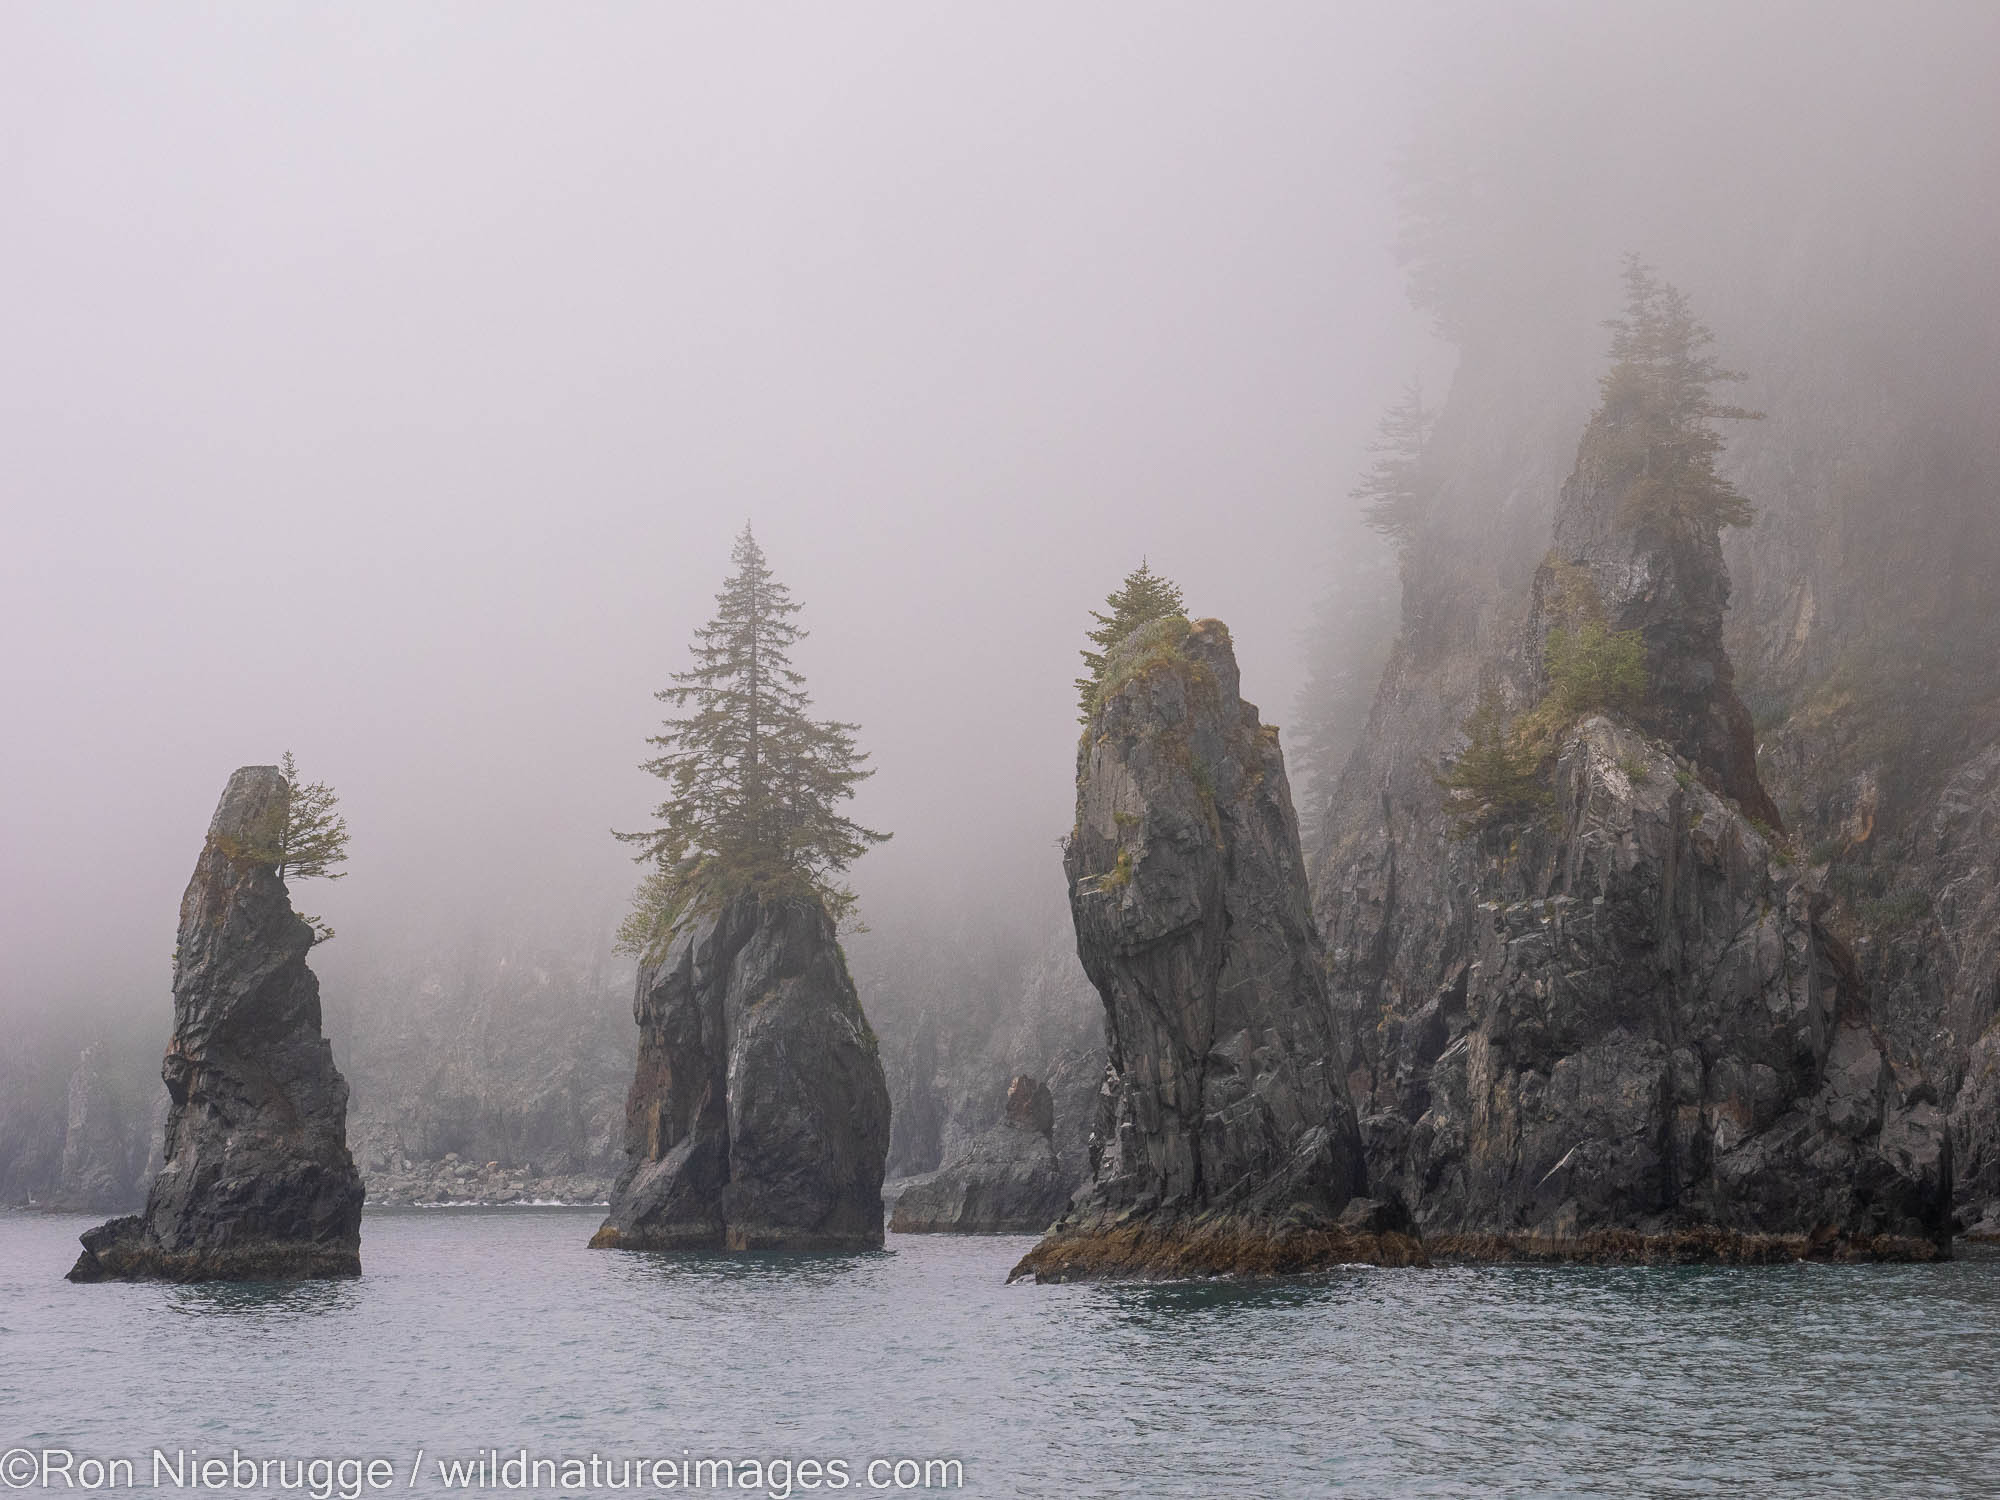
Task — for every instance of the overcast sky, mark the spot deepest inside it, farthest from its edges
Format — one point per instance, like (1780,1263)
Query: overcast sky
(388,382)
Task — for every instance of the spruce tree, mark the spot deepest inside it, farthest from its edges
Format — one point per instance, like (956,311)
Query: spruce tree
(1396,487)
(1494,780)
(1658,409)
(1142,598)
(754,782)
(313,839)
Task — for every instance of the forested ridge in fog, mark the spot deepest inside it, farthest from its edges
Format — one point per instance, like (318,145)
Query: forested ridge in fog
(356,441)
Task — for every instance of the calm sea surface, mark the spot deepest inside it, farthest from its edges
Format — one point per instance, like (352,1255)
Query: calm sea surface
(496,1329)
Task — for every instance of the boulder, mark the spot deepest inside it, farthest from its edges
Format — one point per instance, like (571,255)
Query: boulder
(256,1183)
(758,1118)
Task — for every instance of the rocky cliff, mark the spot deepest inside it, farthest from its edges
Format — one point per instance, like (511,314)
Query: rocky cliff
(961,1014)
(1007,1180)
(1626,1028)
(487,1068)
(1223,1139)
(758,1118)
(257,1182)
(1647,1046)
(111,1140)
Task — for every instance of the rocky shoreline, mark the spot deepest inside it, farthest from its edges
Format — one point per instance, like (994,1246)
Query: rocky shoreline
(451,1183)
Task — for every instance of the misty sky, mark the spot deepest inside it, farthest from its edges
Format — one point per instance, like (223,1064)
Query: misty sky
(388,382)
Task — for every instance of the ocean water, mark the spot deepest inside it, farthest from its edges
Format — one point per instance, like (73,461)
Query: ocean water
(482,1330)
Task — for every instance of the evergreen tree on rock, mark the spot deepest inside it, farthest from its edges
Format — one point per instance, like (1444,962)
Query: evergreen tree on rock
(1397,486)
(1658,405)
(755,783)
(1142,598)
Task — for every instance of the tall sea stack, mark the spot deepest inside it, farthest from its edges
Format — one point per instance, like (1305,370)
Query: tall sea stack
(257,1182)
(758,1117)
(1224,1141)
(1616,1026)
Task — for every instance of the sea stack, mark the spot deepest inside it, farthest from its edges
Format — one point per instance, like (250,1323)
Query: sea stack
(1007,1180)
(1224,1141)
(758,1117)
(257,1182)
(1616,1027)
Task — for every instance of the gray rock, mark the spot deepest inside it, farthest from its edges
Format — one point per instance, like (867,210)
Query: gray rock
(1224,1141)
(1656,1050)
(106,1140)
(970,1020)
(1629,1030)
(257,1182)
(758,1117)
(1006,1181)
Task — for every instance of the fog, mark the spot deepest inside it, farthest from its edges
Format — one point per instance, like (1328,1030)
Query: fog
(387,384)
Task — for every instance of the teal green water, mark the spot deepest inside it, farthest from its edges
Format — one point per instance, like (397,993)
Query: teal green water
(480,1329)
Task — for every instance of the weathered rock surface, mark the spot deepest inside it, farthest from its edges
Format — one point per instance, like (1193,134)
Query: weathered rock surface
(1006,1181)
(960,1020)
(257,1182)
(1224,1141)
(1625,1031)
(758,1118)
(110,1142)
(1652,1050)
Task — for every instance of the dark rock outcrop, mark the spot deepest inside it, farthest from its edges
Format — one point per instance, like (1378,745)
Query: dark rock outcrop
(1224,1142)
(1006,1181)
(1652,1049)
(758,1118)
(1626,1030)
(257,1183)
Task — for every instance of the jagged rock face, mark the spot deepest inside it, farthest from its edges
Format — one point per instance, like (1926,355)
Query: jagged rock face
(758,1118)
(1651,1047)
(1668,581)
(257,1182)
(518,1054)
(1006,1181)
(1224,1140)
(105,1140)
(1963,871)
(949,1063)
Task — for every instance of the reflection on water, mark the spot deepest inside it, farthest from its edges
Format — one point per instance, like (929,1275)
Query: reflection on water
(657,1271)
(269,1302)
(489,1328)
